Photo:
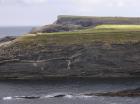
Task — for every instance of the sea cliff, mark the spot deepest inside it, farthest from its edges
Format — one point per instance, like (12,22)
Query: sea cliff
(86,51)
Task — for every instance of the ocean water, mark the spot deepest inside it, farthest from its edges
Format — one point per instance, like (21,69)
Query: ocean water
(70,91)
(14,31)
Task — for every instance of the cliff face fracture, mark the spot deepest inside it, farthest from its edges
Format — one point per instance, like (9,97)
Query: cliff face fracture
(71,23)
(86,53)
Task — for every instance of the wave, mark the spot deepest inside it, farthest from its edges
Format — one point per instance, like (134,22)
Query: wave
(55,95)
(7,98)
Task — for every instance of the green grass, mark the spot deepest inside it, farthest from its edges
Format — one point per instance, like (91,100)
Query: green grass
(119,27)
(120,35)
(83,37)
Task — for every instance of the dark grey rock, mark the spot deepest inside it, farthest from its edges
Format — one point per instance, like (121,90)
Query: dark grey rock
(125,93)
(87,60)
(7,38)
(71,23)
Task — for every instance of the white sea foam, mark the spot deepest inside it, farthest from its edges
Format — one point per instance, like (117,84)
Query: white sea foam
(69,96)
(7,98)
(84,96)
(47,96)
(55,95)
(18,97)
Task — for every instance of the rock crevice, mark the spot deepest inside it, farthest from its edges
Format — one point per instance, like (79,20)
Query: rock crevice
(78,61)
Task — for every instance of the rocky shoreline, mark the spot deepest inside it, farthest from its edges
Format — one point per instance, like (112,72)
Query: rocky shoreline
(7,38)
(126,93)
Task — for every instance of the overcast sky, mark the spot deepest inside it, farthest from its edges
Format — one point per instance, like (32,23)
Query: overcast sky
(42,12)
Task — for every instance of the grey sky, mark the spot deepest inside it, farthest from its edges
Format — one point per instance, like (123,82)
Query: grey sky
(41,12)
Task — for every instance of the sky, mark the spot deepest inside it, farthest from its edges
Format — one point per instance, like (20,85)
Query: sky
(42,12)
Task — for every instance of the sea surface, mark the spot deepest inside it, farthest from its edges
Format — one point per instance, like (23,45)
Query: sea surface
(14,31)
(66,91)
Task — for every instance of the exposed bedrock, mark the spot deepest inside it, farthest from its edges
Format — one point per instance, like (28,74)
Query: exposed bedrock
(87,60)
(71,23)
(7,38)
(125,93)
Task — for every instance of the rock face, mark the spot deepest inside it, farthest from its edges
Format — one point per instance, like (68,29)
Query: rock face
(125,93)
(91,60)
(56,28)
(93,53)
(71,23)
(7,38)
(86,21)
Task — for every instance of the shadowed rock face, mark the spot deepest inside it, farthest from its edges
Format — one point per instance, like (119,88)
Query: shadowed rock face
(7,38)
(87,60)
(70,23)
(125,93)
(73,55)
(87,21)
(56,28)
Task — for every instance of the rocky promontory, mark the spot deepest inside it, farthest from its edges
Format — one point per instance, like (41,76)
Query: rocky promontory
(88,52)
(72,23)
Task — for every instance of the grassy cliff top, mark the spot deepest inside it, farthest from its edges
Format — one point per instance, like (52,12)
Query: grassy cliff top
(119,27)
(71,23)
(41,42)
(104,33)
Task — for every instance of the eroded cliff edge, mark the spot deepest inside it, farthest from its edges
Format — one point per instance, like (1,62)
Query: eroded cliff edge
(86,60)
(72,23)
(92,52)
